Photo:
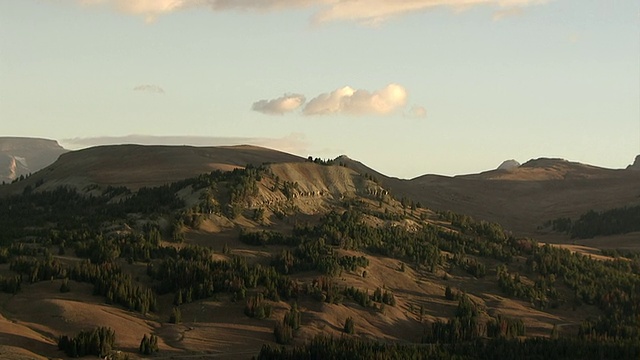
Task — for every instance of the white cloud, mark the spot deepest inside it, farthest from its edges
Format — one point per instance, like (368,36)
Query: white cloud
(149,88)
(279,106)
(347,100)
(362,11)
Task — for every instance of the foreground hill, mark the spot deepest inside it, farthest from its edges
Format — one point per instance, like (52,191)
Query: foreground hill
(23,156)
(221,263)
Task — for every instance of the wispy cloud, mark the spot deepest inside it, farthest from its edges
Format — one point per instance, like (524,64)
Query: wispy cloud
(295,143)
(507,13)
(155,89)
(279,106)
(347,100)
(362,11)
(417,112)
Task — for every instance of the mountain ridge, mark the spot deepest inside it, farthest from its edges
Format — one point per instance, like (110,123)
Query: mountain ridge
(520,199)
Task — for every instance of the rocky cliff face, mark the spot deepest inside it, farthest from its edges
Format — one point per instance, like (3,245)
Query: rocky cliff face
(508,165)
(22,156)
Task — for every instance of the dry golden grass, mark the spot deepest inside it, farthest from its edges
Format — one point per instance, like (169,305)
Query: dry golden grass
(520,200)
(38,315)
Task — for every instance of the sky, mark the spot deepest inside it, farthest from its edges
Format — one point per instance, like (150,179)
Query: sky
(407,87)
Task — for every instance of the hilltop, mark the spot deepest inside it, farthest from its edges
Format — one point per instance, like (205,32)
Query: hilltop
(136,166)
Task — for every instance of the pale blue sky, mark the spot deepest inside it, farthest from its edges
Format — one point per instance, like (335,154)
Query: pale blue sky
(540,78)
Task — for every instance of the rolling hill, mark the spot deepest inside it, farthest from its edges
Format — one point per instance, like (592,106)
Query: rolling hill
(213,249)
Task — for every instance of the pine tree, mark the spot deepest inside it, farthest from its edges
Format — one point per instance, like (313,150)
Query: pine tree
(176,316)
(349,326)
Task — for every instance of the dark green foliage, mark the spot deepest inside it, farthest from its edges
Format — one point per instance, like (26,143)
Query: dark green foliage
(64,287)
(257,307)
(465,326)
(610,285)
(479,349)
(610,222)
(10,284)
(537,293)
(264,238)
(37,269)
(98,342)
(449,294)
(284,331)
(561,224)
(320,161)
(362,297)
(505,327)
(148,344)
(176,316)
(384,297)
(349,326)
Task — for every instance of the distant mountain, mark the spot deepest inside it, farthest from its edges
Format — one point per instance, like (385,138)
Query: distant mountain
(22,156)
(520,199)
(635,165)
(523,198)
(136,166)
(508,165)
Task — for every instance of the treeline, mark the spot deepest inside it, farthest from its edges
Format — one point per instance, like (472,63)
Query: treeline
(599,223)
(98,342)
(466,325)
(478,349)
(613,286)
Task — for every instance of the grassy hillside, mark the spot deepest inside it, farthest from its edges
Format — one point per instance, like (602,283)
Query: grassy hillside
(227,261)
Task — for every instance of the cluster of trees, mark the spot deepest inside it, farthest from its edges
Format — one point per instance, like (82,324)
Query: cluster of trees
(98,342)
(599,223)
(349,326)
(538,293)
(284,330)
(257,307)
(612,285)
(148,344)
(464,326)
(119,288)
(504,327)
(320,161)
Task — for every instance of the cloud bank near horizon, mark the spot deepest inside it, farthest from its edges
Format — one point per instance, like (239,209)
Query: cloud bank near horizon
(362,11)
(342,101)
